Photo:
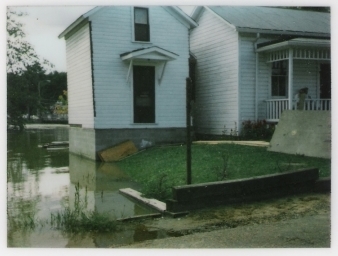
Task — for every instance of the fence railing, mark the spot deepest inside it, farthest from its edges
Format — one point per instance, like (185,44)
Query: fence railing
(275,107)
(317,104)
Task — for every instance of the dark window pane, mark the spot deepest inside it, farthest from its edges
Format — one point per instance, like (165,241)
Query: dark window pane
(282,86)
(274,86)
(141,32)
(279,78)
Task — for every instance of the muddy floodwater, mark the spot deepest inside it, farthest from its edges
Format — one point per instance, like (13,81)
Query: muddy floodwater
(42,182)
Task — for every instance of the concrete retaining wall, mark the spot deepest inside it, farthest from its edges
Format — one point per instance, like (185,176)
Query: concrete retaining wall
(303,132)
(190,197)
(82,142)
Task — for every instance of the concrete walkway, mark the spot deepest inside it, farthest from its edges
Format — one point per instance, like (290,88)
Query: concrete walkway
(245,143)
(45,126)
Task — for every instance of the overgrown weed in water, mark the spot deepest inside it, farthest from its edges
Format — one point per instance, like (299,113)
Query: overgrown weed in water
(68,220)
(25,222)
(78,219)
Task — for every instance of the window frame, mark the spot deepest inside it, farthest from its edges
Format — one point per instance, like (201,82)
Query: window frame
(135,25)
(280,75)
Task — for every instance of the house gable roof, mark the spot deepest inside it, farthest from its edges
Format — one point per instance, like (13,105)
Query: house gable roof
(272,20)
(173,10)
(79,21)
(184,18)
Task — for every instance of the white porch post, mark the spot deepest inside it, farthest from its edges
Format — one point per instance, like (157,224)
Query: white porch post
(290,78)
(256,87)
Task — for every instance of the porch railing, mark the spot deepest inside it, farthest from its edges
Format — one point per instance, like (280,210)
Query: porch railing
(275,107)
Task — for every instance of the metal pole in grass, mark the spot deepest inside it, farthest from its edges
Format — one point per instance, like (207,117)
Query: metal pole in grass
(188,105)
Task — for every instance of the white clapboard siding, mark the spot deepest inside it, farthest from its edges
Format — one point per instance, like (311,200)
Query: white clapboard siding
(264,82)
(112,36)
(215,46)
(247,74)
(248,79)
(79,78)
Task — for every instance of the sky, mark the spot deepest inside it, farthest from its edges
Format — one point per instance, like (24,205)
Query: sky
(47,19)
(43,25)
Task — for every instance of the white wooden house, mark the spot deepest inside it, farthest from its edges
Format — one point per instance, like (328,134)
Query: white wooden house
(127,69)
(252,61)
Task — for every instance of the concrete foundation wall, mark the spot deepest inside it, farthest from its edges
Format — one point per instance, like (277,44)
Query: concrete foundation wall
(82,142)
(303,132)
(87,142)
(141,137)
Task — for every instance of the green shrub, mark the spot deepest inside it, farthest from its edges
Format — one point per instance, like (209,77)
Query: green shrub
(159,187)
(258,130)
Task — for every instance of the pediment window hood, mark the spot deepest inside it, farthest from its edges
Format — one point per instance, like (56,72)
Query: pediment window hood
(152,54)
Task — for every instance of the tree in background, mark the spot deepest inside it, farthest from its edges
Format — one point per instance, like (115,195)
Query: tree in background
(58,83)
(52,101)
(61,106)
(33,92)
(23,94)
(30,91)
(20,53)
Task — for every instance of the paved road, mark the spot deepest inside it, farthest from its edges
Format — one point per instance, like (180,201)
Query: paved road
(304,232)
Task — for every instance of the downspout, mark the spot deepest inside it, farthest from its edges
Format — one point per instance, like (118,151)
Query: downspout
(92,67)
(290,75)
(256,79)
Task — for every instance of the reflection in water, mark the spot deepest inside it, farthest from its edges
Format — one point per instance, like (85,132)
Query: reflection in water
(95,186)
(38,185)
(32,189)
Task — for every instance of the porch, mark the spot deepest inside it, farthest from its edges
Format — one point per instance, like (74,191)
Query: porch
(290,72)
(275,107)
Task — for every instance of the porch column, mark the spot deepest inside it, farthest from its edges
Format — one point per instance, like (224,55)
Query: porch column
(290,78)
(256,87)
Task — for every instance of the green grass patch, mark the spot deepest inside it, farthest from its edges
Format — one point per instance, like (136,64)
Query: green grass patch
(160,168)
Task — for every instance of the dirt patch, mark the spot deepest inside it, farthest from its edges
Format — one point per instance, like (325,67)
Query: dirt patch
(248,213)
(245,214)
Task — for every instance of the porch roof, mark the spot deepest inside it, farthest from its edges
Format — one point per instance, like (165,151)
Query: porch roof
(296,42)
(154,53)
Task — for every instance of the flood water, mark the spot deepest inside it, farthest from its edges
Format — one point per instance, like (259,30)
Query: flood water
(41,182)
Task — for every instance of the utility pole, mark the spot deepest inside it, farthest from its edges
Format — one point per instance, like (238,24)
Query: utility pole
(188,106)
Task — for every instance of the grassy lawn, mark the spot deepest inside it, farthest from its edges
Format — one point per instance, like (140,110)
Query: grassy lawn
(160,168)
